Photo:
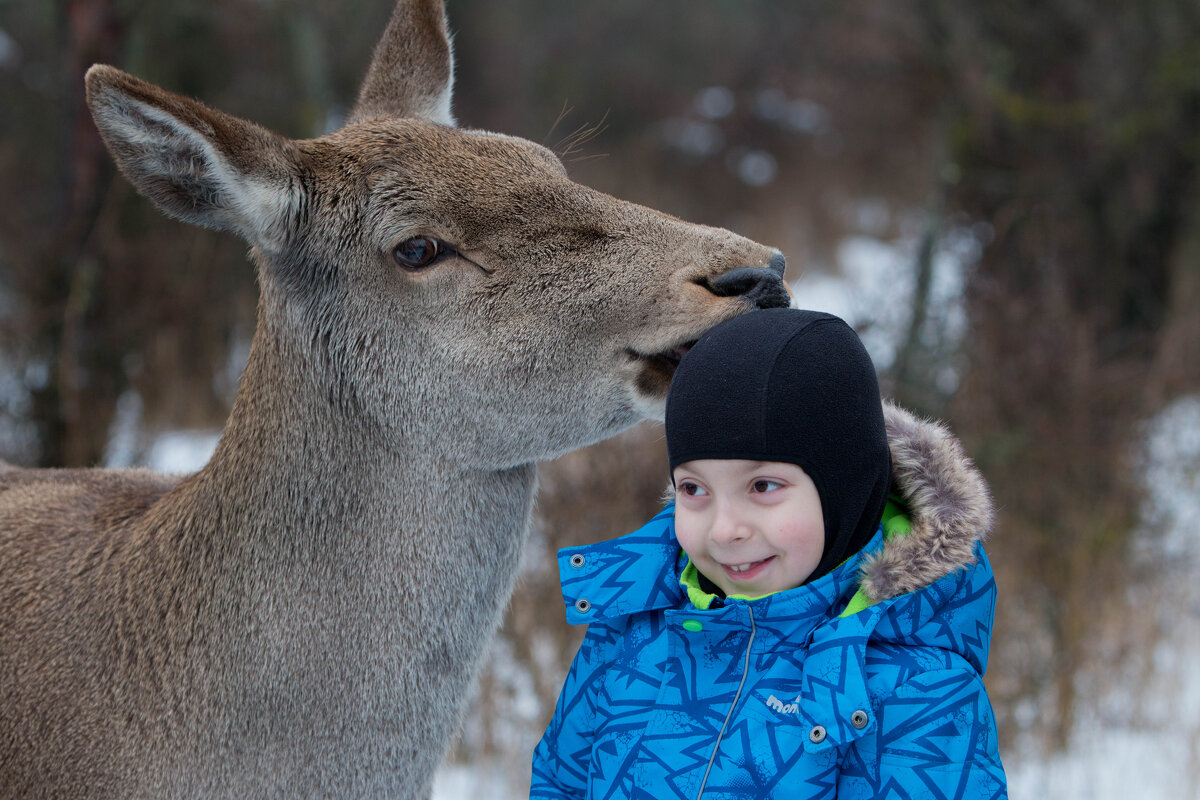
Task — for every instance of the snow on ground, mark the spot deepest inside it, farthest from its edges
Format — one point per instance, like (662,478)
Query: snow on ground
(489,782)
(178,451)
(182,451)
(1140,736)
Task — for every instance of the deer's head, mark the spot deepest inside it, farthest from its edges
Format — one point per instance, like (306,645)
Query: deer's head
(451,290)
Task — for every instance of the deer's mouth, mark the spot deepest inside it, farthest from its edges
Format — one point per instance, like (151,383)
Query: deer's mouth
(657,369)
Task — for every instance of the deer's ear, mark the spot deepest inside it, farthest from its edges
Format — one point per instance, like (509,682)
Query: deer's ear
(412,71)
(197,164)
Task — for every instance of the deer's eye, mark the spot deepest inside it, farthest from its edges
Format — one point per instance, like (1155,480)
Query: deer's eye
(419,252)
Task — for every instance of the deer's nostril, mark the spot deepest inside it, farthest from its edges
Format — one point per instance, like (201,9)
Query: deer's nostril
(737,282)
(762,287)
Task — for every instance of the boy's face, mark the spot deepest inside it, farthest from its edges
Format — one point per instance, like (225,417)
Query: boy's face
(751,527)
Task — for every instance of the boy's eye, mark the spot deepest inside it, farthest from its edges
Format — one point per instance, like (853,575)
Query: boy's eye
(691,489)
(763,485)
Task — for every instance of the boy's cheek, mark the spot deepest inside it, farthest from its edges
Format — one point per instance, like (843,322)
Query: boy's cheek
(685,530)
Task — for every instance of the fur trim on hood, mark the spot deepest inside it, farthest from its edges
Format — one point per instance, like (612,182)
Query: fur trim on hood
(948,506)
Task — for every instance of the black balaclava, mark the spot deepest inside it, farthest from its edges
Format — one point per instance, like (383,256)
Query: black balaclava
(795,386)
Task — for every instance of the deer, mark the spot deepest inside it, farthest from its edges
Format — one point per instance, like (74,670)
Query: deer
(440,309)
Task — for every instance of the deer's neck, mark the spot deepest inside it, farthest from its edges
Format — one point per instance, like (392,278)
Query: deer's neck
(330,585)
(347,552)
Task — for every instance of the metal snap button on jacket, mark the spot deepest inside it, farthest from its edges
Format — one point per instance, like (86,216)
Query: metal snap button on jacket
(817,734)
(859,719)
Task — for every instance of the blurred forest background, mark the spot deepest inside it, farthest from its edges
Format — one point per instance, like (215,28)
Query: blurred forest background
(1030,169)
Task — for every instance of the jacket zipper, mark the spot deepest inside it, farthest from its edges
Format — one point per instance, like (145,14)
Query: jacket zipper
(736,697)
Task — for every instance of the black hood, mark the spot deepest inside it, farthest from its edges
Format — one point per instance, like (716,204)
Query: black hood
(792,386)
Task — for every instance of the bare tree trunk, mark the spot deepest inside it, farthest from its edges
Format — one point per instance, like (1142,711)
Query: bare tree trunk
(91,32)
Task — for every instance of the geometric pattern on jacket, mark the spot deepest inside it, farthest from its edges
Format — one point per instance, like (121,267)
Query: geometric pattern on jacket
(785,696)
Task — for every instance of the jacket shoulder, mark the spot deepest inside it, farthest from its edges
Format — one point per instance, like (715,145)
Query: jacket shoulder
(891,665)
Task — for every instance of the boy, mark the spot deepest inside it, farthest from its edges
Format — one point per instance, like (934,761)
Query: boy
(785,630)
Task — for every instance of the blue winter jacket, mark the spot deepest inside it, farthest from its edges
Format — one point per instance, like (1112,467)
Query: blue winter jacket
(866,683)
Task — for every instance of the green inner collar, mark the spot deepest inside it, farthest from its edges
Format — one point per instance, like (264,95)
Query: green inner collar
(896,524)
(690,581)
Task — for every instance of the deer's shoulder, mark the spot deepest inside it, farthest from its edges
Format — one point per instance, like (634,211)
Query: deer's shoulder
(33,498)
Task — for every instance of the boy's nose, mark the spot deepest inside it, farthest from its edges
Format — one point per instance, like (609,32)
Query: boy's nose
(728,526)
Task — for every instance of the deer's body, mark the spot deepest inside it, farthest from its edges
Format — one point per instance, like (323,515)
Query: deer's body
(304,616)
(183,663)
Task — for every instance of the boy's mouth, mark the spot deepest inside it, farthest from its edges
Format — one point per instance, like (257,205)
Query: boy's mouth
(746,570)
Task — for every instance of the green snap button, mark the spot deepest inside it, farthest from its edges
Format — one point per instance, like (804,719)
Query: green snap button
(692,625)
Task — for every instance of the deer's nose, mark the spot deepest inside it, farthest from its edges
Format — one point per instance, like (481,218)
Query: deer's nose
(762,286)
